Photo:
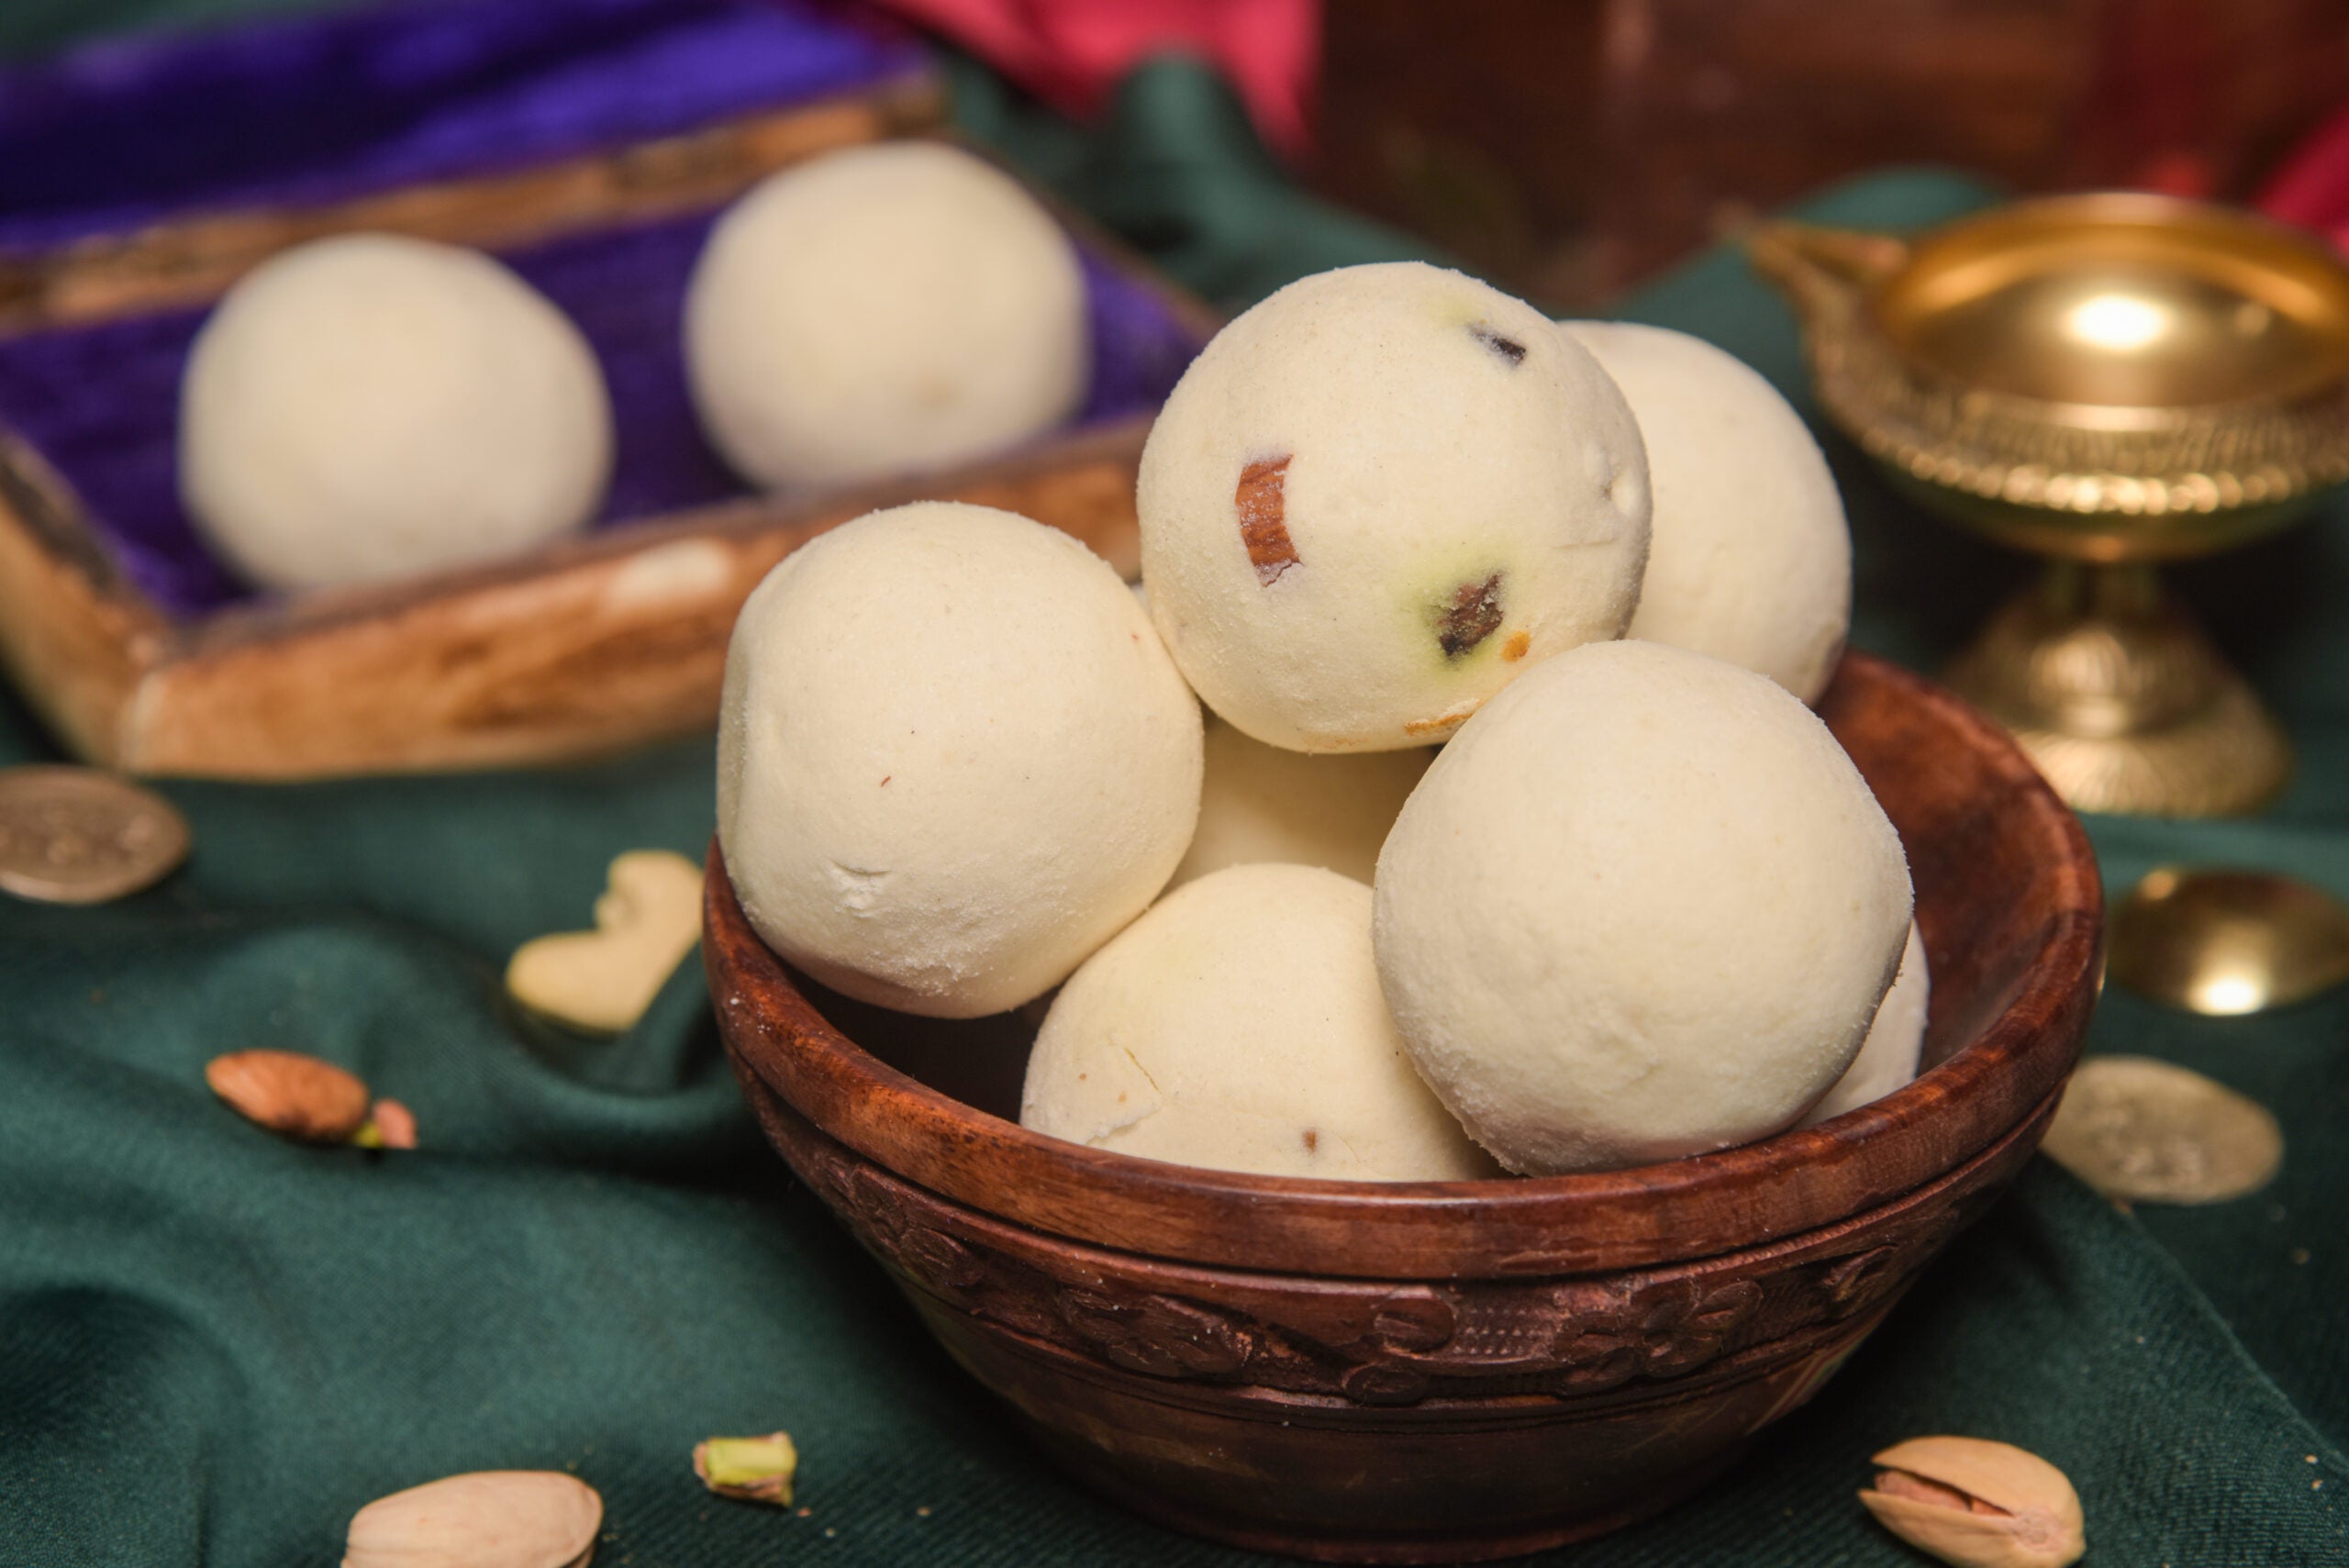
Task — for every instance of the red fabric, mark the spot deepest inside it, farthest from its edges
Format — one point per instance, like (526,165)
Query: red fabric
(1072,52)
(2312,187)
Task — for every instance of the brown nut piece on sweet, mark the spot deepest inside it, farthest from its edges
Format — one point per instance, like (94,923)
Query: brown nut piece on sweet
(292,1094)
(1977,1504)
(490,1519)
(1262,528)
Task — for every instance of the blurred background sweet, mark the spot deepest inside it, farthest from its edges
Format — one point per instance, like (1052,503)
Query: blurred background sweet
(367,407)
(883,311)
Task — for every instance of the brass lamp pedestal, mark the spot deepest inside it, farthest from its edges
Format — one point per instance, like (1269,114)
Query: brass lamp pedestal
(2121,699)
(2109,381)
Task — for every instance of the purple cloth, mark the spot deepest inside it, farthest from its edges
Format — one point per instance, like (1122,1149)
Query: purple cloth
(101,403)
(319,108)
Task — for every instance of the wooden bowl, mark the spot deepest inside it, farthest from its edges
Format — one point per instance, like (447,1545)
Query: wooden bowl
(1424,1372)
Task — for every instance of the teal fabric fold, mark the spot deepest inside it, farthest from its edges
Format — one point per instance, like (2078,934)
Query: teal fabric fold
(214,1346)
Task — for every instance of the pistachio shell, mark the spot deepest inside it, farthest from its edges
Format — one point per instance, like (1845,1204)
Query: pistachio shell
(491,1518)
(1981,1504)
(2014,1479)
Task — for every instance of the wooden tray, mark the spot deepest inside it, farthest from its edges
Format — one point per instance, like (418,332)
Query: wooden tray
(589,646)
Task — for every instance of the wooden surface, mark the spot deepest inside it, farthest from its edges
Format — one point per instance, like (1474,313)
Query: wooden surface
(1570,147)
(1424,1372)
(579,650)
(607,641)
(76,637)
(584,647)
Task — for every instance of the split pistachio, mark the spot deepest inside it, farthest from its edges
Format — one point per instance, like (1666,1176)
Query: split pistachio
(490,1519)
(758,1470)
(1977,1504)
(602,981)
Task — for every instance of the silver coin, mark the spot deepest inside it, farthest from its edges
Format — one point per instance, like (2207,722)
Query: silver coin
(2149,1132)
(79,836)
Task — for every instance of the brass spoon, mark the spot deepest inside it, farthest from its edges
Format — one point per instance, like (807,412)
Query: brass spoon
(2226,942)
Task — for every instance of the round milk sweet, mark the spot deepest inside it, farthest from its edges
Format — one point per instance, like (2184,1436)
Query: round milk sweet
(1643,906)
(953,759)
(882,310)
(370,406)
(1379,495)
(1750,556)
(1238,1025)
(1266,804)
(1889,1057)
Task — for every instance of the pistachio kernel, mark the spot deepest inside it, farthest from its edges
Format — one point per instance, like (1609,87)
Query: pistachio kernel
(757,1469)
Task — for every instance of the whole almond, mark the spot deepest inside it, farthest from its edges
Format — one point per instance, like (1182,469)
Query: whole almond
(491,1518)
(288,1093)
(1977,1504)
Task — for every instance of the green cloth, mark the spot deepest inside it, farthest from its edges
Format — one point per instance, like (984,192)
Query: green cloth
(215,1347)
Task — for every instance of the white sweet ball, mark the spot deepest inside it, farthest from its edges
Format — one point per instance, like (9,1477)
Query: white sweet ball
(1264,804)
(952,759)
(883,310)
(1889,1057)
(1238,1025)
(1376,497)
(1643,906)
(369,407)
(1751,557)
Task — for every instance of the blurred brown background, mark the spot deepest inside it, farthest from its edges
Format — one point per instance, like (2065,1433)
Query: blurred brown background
(1573,147)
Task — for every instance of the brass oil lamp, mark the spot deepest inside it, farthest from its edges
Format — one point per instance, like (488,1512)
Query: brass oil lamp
(2109,381)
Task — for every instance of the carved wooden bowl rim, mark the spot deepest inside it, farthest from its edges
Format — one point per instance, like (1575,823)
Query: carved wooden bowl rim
(1686,1208)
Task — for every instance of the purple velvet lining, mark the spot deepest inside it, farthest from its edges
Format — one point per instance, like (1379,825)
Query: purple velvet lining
(319,108)
(102,403)
(313,109)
